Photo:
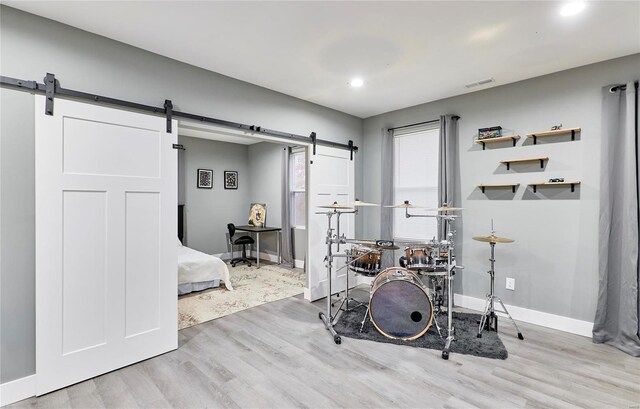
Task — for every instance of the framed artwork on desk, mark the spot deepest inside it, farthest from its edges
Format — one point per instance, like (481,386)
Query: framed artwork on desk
(258,214)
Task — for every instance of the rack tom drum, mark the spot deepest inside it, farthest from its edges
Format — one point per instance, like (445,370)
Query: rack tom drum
(365,260)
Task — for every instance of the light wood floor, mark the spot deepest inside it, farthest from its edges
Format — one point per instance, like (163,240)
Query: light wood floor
(279,355)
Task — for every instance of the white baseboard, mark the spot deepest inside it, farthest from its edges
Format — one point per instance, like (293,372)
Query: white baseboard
(17,390)
(543,319)
(298,264)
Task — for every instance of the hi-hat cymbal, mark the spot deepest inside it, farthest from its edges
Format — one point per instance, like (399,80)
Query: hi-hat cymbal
(493,239)
(445,209)
(406,205)
(335,205)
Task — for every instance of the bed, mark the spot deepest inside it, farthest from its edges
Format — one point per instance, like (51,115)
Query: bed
(198,271)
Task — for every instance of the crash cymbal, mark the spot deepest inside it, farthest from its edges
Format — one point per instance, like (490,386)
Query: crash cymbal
(445,209)
(493,239)
(406,205)
(360,203)
(335,205)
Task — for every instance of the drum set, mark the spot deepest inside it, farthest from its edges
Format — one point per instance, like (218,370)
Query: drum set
(405,301)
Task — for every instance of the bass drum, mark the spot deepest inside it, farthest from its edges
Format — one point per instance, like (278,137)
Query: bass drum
(399,306)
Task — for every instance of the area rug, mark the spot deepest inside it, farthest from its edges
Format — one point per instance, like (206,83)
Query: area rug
(466,330)
(252,287)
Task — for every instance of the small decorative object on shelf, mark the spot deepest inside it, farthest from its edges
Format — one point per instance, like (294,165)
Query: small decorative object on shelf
(556,127)
(556,180)
(492,132)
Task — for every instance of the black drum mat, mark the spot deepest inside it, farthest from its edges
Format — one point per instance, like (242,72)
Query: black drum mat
(466,330)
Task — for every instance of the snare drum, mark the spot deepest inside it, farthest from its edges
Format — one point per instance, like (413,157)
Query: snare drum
(400,306)
(418,257)
(365,260)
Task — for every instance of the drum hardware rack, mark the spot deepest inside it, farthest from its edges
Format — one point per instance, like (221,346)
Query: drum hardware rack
(340,240)
(329,319)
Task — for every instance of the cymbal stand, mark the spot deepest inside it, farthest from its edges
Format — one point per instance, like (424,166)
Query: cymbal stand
(489,320)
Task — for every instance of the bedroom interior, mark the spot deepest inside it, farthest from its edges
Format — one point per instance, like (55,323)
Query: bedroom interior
(461,198)
(209,286)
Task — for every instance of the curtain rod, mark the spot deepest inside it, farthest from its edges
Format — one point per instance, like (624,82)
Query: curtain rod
(621,87)
(51,88)
(421,123)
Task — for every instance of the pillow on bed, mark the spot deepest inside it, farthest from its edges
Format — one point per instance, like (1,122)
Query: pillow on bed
(179,243)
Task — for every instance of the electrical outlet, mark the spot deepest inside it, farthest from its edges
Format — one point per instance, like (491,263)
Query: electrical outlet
(511,283)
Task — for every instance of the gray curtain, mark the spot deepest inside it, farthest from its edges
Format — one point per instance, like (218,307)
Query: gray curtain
(448,175)
(386,214)
(616,320)
(287,244)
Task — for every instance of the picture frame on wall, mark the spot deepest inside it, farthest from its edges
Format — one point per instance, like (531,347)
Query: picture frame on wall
(231,179)
(205,179)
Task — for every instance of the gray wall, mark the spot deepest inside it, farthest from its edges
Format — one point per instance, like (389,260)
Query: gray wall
(555,256)
(207,211)
(31,46)
(265,176)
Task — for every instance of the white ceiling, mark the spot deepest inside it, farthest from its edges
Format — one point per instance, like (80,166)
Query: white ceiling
(406,52)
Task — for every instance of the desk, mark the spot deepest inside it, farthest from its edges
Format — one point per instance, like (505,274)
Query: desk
(257,231)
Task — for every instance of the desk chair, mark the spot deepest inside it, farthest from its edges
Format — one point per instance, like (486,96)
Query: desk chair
(243,241)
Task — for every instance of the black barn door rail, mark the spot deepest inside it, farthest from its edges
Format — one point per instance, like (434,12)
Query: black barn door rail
(52,89)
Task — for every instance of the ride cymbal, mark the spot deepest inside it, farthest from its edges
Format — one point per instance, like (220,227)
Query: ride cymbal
(493,239)
(335,205)
(406,205)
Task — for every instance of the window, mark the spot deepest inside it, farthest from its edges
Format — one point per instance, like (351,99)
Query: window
(297,169)
(415,176)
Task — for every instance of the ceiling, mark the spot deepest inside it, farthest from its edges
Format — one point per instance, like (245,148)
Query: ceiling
(407,53)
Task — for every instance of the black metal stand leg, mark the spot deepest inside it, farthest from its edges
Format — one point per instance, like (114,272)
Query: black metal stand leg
(520,336)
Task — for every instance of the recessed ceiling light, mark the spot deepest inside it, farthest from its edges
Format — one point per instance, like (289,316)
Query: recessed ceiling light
(572,8)
(356,82)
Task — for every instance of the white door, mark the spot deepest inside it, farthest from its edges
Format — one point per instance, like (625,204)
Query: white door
(330,179)
(106,263)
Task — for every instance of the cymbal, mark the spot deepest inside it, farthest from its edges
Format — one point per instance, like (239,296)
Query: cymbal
(406,205)
(446,209)
(493,239)
(335,205)
(360,203)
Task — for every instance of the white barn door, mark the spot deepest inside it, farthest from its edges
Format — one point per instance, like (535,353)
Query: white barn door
(331,178)
(106,263)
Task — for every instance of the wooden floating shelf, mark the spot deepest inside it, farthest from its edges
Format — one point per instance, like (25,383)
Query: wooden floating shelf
(567,131)
(541,159)
(484,141)
(513,186)
(573,184)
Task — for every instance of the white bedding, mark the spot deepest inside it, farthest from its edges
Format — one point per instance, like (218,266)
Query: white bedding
(198,267)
